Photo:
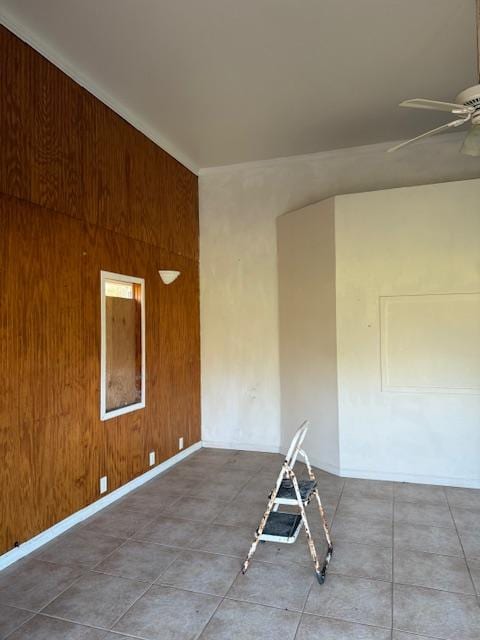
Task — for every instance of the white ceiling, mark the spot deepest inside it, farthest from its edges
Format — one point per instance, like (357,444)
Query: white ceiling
(225,81)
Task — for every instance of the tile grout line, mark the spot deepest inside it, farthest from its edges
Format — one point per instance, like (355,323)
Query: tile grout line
(330,526)
(10,633)
(39,611)
(86,570)
(75,622)
(225,597)
(148,585)
(155,583)
(207,524)
(464,554)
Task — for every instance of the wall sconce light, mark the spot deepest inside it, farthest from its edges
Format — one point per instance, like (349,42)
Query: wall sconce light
(168,276)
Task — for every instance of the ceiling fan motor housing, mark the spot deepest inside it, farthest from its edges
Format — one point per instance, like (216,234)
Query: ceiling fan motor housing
(471,97)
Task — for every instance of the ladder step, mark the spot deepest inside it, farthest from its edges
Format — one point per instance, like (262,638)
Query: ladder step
(286,493)
(282,527)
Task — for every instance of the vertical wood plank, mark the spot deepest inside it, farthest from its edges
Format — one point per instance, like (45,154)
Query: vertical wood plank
(82,191)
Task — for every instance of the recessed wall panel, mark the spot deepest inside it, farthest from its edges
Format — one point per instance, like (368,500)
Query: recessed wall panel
(431,343)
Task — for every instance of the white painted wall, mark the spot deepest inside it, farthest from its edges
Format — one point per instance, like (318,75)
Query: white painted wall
(238,268)
(409,361)
(307,326)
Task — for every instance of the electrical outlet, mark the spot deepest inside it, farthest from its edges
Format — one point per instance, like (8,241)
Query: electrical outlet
(180,443)
(151,458)
(103,484)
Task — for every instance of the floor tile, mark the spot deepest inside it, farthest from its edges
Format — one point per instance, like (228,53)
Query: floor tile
(138,560)
(401,635)
(149,536)
(471,543)
(229,540)
(111,635)
(148,503)
(298,552)
(423,513)
(316,628)
(172,532)
(164,613)
(79,548)
(439,614)
(428,570)
(184,475)
(368,488)
(213,489)
(409,492)
(245,462)
(255,491)
(211,453)
(176,484)
(11,618)
(96,599)
(330,497)
(227,474)
(203,572)
(333,486)
(33,583)
(242,512)
(474,566)
(371,531)
(202,467)
(198,509)
(466,519)
(245,621)
(329,504)
(44,628)
(428,538)
(354,559)
(119,521)
(463,498)
(284,586)
(273,464)
(352,599)
(365,507)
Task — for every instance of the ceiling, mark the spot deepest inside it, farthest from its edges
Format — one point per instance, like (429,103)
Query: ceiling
(225,81)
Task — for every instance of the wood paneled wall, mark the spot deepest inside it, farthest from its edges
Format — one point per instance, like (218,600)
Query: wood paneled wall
(80,191)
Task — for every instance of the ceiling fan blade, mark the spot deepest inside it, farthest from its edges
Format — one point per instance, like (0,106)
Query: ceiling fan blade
(443,127)
(471,144)
(435,105)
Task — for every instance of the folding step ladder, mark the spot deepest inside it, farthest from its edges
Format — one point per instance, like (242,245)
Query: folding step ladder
(280,526)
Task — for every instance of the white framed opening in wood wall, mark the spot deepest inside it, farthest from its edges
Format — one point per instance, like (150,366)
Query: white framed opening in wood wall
(122,352)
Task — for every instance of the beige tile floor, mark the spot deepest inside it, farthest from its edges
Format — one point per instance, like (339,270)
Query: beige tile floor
(164,564)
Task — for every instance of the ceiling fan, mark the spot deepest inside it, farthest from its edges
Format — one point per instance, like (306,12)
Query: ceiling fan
(466,108)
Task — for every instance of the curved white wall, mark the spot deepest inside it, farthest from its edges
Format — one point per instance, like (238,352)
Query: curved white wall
(308,330)
(380,332)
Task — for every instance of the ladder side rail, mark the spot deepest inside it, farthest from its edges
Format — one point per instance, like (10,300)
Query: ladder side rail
(323,516)
(311,544)
(296,443)
(271,504)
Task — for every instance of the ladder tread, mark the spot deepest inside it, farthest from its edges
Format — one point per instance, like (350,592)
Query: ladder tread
(282,526)
(287,491)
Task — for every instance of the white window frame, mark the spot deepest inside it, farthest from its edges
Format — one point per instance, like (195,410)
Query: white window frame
(104,414)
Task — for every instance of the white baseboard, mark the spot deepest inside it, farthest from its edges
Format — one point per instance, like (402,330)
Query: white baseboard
(446,481)
(242,446)
(49,534)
